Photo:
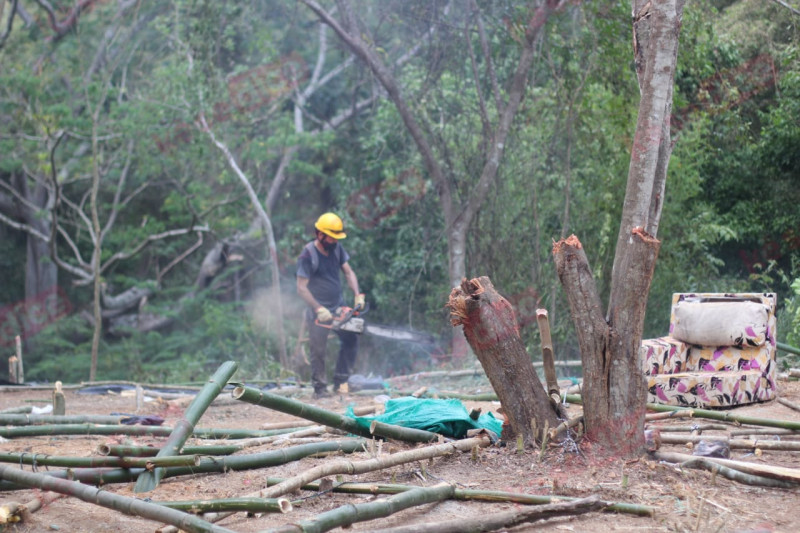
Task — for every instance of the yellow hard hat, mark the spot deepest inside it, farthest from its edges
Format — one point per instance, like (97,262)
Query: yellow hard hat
(330,224)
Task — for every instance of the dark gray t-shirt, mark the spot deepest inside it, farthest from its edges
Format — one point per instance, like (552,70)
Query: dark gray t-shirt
(326,283)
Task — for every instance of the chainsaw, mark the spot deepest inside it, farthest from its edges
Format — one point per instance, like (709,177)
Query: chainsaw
(348,319)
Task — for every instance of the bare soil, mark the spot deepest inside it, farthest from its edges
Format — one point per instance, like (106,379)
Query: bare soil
(684,500)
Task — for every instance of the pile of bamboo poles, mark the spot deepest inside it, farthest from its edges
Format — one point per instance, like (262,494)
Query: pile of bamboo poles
(320,432)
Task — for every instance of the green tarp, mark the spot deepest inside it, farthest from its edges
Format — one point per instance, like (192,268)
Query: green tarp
(446,417)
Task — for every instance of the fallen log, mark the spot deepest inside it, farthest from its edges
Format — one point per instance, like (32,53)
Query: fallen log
(492,331)
(508,519)
(347,515)
(107,499)
(183,429)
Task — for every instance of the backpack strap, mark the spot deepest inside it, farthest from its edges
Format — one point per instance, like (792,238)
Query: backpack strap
(312,250)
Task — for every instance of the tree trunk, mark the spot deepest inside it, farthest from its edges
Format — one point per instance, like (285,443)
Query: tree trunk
(491,329)
(614,385)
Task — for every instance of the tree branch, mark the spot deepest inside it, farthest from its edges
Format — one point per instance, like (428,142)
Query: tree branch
(10,24)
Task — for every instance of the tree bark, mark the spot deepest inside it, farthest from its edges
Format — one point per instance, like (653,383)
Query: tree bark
(613,382)
(491,329)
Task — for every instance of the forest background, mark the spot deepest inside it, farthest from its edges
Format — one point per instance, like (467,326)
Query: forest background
(135,136)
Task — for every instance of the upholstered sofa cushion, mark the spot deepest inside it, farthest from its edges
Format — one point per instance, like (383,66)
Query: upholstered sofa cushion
(723,323)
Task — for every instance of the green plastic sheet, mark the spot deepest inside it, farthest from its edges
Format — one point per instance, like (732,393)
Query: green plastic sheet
(447,417)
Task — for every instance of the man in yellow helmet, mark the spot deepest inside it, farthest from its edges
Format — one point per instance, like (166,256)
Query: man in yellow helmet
(319,285)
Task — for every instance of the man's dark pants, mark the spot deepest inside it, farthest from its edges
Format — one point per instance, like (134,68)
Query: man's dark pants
(317,343)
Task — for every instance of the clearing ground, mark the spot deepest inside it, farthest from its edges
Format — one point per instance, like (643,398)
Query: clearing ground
(684,500)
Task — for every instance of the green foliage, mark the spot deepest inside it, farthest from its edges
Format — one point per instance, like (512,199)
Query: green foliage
(730,209)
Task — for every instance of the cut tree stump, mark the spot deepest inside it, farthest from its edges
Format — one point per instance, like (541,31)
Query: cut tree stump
(492,331)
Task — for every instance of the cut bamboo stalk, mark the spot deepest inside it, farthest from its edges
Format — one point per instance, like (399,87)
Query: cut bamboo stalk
(183,430)
(119,450)
(297,408)
(419,392)
(138,431)
(402,433)
(470,495)
(508,519)
(59,402)
(756,431)
(756,469)
(20,366)
(362,467)
(245,505)
(293,424)
(734,474)
(347,515)
(548,359)
(99,462)
(34,420)
(20,512)
(24,409)
(787,403)
(734,444)
(724,416)
(13,369)
(110,500)
(105,476)
(692,428)
(672,414)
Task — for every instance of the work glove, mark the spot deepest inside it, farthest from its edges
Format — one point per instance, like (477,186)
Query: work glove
(359,305)
(323,315)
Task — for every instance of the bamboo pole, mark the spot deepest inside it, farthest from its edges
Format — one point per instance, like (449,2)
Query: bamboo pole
(649,417)
(119,450)
(107,499)
(692,428)
(504,520)
(183,430)
(104,476)
(248,505)
(20,512)
(24,409)
(754,431)
(99,462)
(548,360)
(469,495)
(402,433)
(734,444)
(369,465)
(734,474)
(20,366)
(347,515)
(775,472)
(138,431)
(297,408)
(724,416)
(59,402)
(787,403)
(33,420)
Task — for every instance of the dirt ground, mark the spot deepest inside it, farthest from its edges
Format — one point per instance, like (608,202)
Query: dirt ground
(684,500)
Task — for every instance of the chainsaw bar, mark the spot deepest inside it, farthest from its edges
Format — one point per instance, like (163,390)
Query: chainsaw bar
(398,334)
